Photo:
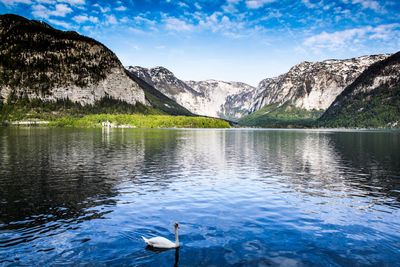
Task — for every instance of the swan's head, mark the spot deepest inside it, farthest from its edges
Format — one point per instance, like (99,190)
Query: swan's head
(176,225)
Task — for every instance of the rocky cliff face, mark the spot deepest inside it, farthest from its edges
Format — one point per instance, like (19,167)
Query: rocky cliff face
(372,100)
(240,104)
(157,99)
(312,85)
(218,98)
(308,86)
(210,98)
(40,62)
(162,79)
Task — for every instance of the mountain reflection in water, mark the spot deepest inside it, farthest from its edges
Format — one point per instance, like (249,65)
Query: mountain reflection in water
(242,197)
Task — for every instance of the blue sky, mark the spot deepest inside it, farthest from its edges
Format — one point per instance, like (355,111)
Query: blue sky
(235,40)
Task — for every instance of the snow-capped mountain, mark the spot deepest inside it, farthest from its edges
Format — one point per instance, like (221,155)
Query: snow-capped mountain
(308,86)
(312,85)
(209,98)
(372,100)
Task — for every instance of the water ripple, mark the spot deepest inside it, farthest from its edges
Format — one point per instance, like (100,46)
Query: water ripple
(242,197)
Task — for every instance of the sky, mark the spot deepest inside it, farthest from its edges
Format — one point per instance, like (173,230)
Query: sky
(232,40)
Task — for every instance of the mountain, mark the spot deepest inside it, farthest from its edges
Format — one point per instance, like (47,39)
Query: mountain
(312,85)
(42,67)
(217,98)
(158,100)
(304,92)
(239,105)
(38,62)
(210,98)
(372,100)
(165,82)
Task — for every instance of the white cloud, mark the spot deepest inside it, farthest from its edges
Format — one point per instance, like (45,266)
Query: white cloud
(46,1)
(183,5)
(254,4)
(102,9)
(218,22)
(386,32)
(308,4)
(73,2)
(40,11)
(63,24)
(235,28)
(85,18)
(55,8)
(136,31)
(13,2)
(272,15)
(111,19)
(350,38)
(230,6)
(370,4)
(87,28)
(60,10)
(120,8)
(197,6)
(176,24)
(144,21)
(124,20)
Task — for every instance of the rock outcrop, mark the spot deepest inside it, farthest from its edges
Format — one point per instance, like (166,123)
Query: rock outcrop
(40,62)
(312,85)
(372,100)
(210,98)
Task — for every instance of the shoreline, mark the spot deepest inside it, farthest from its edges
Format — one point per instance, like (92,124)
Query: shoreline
(110,125)
(121,121)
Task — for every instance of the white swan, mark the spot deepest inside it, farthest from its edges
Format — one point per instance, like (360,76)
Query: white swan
(162,242)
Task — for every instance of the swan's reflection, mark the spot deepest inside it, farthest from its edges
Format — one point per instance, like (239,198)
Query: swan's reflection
(160,250)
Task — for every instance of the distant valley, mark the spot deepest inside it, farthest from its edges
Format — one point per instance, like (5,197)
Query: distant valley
(208,98)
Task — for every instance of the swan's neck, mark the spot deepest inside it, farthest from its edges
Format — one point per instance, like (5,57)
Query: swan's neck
(176,237)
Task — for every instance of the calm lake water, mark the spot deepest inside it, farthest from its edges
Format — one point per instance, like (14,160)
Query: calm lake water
(242,197)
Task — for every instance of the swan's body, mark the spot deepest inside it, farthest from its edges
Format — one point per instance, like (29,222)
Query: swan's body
(162,242)
(159,242)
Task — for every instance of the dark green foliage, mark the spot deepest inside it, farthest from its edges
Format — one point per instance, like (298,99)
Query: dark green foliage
(378,108)
(140,121)
(35,56)
(23,108)
(284,116)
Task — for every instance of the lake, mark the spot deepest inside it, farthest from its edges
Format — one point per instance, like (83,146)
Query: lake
(242,197)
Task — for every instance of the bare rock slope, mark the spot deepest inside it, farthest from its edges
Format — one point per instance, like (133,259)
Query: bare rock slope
(372,100)
(312,85)
(40,62)
(210,98)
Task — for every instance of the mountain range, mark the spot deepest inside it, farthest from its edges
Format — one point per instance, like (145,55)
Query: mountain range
(208,98)
(372,100)
(44,69)
(40,64)
(301,97)
(38,61)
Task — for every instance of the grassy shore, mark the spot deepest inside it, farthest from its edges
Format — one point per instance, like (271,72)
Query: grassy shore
(64,113)
(285,116)
(139,121)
